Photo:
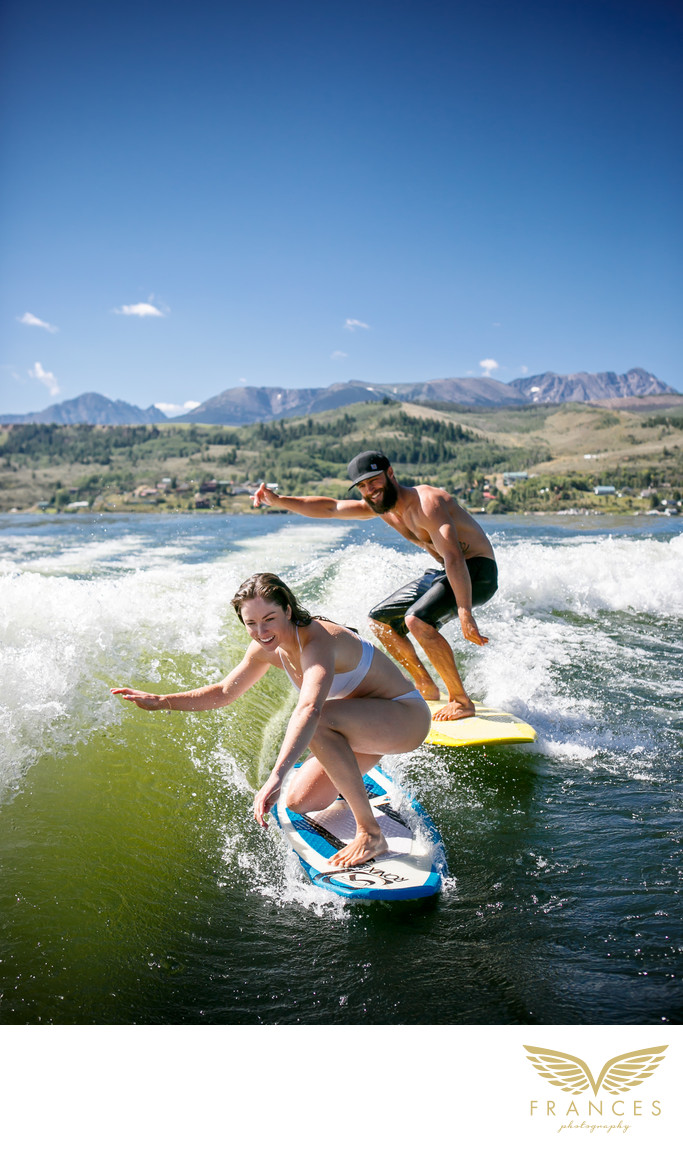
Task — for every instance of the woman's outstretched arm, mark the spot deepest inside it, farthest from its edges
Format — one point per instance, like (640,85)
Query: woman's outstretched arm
(236,683)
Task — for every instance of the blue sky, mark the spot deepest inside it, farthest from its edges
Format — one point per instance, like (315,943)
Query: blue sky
(291,194)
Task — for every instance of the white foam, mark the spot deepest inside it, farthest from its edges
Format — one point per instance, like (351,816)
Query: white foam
(65,641)
(547,651)
(145,600)
(587,576)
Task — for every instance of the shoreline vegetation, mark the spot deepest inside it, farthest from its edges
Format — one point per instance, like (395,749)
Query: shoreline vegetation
(566,458)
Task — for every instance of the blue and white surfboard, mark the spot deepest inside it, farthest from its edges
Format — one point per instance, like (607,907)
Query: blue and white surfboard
(413,867)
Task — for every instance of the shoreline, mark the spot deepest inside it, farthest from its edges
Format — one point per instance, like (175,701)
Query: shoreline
(481,513)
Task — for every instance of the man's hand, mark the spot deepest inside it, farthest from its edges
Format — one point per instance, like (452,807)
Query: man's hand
(470,629)
(264,495)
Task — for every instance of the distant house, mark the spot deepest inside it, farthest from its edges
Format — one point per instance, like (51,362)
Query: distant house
(77,506)
(243,489)
(208,485)
(606,490)
(512,477)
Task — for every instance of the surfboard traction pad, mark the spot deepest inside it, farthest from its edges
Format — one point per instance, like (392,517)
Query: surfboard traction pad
(487,727)
(412,868)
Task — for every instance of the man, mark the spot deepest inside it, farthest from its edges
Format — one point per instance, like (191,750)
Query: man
(466,577)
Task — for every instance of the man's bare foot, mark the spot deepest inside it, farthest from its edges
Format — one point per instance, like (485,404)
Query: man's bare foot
(361,849)
(454,710)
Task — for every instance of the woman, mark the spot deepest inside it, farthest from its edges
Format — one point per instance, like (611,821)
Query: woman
(354,706)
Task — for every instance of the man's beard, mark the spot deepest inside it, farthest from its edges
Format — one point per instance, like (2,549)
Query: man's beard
(384,502)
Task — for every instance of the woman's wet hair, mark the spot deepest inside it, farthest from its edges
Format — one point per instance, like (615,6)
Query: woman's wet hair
(265,585)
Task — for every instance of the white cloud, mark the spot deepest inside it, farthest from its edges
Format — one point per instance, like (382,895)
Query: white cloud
(523,369)
(171,409)
(141,309)
(354,324)
(33,321)
(488,365)
(242,380)
(339,355)
(45,377)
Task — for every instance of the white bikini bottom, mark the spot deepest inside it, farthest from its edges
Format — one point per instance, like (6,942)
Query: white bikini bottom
(414,694)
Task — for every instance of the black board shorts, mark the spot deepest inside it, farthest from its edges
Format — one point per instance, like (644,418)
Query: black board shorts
(431,597)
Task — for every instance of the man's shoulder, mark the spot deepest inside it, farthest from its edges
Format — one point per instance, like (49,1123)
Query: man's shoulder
(438,505)
(430,496)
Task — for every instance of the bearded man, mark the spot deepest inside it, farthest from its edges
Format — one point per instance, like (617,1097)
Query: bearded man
(466,575)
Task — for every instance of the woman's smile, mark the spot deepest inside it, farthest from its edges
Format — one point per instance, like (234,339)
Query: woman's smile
(265,622)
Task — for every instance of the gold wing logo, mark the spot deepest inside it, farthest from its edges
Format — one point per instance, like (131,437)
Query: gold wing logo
(616,1077)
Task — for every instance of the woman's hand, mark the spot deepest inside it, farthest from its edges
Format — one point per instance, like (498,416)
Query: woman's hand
(266,798)
(142,699)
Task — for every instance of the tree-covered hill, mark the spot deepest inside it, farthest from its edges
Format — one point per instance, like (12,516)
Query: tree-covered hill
(188,466)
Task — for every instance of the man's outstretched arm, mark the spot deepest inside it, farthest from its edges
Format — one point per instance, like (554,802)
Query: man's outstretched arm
(313,506)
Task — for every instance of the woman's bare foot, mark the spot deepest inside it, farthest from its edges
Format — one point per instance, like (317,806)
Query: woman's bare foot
(361,849)
(456,709)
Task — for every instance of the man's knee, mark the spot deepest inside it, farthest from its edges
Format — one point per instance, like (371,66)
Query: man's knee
(418,626)
(379,625)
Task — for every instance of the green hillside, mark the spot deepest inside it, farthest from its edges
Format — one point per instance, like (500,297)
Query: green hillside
(566,451)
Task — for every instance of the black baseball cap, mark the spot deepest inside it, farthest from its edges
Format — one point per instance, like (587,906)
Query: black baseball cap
(367,464)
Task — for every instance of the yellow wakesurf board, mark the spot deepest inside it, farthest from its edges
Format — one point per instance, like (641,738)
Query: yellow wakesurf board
(488,726)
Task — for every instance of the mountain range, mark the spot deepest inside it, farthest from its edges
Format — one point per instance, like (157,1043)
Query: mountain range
(89,408)
(242,405)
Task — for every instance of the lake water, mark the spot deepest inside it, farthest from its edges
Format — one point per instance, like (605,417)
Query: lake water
(135,886)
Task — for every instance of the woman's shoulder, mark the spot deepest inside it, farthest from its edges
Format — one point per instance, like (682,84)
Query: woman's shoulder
(320,630)
(256,654)
(336,630)
(327,633)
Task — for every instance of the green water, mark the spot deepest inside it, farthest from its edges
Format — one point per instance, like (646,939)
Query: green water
(135,887)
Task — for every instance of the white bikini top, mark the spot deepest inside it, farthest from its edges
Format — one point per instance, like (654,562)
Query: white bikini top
(346,681)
